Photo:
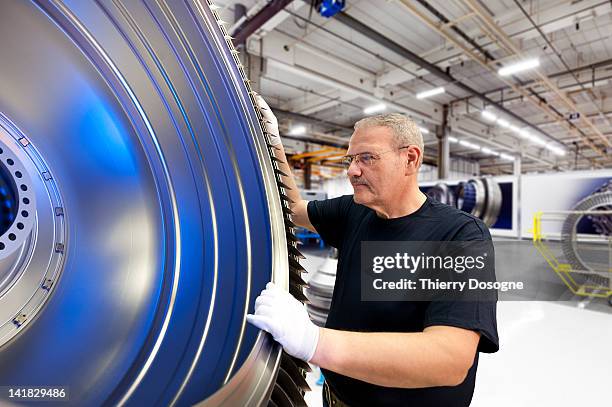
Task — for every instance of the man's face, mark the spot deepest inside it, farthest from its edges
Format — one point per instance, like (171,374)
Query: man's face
(378,182)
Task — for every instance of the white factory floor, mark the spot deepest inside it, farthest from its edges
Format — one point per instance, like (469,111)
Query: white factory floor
(552,353)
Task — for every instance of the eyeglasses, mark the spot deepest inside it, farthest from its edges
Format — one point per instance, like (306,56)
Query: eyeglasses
(366,159)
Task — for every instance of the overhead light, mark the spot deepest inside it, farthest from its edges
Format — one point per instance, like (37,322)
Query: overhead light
(596,84)
(487,150)
(515,129)
(429,93)
(524,134)
(519,67)
(559,152)
(469,145)
(297,130)
(503,123)
(375,108)
(423,130)
(452,139)
(537,140)
(488,115)
(556,149)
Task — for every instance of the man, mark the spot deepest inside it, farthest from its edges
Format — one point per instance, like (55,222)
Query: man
(399,353)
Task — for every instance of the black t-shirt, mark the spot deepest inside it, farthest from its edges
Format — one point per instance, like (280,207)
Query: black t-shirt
(344,224)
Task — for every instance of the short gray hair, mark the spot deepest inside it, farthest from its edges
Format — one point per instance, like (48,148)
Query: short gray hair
(405,130)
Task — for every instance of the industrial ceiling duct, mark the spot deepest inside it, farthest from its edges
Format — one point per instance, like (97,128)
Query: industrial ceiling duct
(141,213)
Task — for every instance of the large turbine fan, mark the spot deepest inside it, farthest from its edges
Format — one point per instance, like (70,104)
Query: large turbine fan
(482,197)
(141,210)
(582,255)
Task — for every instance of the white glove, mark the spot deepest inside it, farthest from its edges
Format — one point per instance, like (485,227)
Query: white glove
(270,121)
(280,314)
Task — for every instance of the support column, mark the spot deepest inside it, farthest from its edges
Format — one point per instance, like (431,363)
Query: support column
(307,175)
(517,173)
(240,12)
(517,165)
(443,145)
(255,68)
(254,65)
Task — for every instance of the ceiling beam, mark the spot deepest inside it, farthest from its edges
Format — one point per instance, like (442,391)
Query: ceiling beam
(335,82)
(554,16)
(537,101)
(433,69)
(249,26)
(504,38)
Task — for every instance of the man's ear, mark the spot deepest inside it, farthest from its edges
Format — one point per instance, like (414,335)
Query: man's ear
(413,154)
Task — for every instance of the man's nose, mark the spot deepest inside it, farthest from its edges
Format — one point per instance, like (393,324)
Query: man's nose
(354,170)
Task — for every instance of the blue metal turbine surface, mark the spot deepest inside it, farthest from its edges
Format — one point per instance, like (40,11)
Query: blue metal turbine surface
(466,196)
(140,113)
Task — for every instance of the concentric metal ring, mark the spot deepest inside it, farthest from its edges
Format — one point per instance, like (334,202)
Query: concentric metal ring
(569,240)
(32,249)
(174,220)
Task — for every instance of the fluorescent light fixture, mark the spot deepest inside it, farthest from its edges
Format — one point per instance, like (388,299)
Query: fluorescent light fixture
(596,84)
(556,149)
(469,145)
(487,150)
(423,130)
(375,108)
(297,130)
(537,140)
(524,134)
(452,139)
(519,67)
(506,157)
(515,129)
(430,92)
(503,123)
(488,115)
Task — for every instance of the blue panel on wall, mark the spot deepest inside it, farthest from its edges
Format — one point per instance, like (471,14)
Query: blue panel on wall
(504,221)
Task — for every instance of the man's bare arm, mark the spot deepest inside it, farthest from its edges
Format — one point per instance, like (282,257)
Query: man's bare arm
(438,356)
(298,206)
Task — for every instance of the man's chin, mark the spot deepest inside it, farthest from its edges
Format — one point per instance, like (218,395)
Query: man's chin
(361,195)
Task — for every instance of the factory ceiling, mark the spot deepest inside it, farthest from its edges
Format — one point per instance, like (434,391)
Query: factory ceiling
(322,74)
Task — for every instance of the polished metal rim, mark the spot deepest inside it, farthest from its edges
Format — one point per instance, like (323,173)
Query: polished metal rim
(174,218)
(36,240)
(493,201)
